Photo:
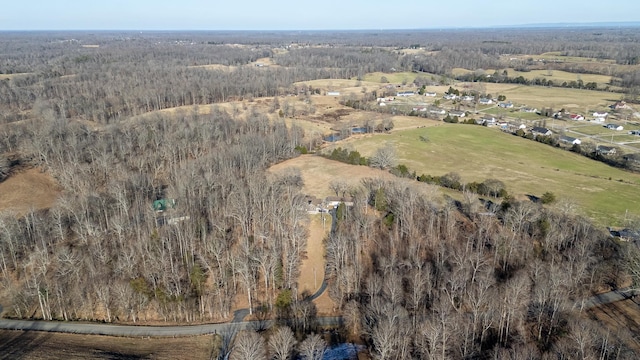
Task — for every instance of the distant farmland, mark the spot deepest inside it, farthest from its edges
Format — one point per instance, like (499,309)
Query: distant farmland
(527,167)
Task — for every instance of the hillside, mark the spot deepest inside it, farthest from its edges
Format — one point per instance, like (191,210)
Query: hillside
(527,167)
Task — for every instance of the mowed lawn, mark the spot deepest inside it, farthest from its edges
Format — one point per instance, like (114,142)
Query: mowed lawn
(526,167)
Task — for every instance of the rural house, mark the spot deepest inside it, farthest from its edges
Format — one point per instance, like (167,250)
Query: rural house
(570,140)
(505,105)
(457,113)
(405,93)
(605,150)
(576,117)
(430,94)
(614,127)
(485,101)
(541,131)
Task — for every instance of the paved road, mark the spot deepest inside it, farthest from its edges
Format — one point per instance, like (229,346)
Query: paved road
(190,330)
(609,297)
(133,330)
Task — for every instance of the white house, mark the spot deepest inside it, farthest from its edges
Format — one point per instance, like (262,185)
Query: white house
(485,101)
(614,127)
(577,117)
(570,140)
(430,94)
(405,93)
(600,114)
(467,98)
(437,111)
(457,113)
(420,108)
(450,96)
(505,105)
(333,93)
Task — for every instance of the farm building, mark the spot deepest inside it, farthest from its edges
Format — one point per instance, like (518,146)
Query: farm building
(614,127)
(620,105)
(405,93)
(605,150)
(570,140)
(541,131)
(430,94)
(334,201)
(161,205)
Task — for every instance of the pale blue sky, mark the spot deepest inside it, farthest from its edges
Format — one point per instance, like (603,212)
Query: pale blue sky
(303,14)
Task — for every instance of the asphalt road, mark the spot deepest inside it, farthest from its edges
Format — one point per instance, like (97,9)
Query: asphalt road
(236,324)
(190,330)
(137,331)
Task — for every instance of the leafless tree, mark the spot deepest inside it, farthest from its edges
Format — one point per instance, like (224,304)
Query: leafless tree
(282,343)
(313,347)
(248,345)
(385,157)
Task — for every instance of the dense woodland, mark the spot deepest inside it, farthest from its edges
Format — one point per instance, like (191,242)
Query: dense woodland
(413,277)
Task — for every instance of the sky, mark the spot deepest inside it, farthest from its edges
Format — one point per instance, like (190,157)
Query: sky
(304,14)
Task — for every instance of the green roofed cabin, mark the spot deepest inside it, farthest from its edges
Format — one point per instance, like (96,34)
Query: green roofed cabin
(164,204)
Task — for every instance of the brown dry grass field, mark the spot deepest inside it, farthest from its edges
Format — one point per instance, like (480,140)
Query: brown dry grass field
(44,346)
(318,172)
(557,76)
(12,76)
(28,189)
(617,315)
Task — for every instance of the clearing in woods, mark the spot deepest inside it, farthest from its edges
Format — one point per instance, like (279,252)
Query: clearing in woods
(28,189)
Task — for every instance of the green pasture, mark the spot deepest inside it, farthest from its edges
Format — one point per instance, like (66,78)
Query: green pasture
(477,153)
(599,130)
(557,98)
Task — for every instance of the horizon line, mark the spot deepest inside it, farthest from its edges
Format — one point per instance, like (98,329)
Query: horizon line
(505,26)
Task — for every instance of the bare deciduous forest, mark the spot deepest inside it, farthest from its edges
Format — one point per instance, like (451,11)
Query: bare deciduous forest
(412,276)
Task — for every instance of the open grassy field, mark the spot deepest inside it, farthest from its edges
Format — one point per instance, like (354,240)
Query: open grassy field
(557,98)
(28,189)
(527,167)
(44,346)
(338,84)
(557,76)
(397,77)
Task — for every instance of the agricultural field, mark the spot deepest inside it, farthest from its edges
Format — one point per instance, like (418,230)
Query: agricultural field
(405,77)
(44,346)
(557,76)
(527,167)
